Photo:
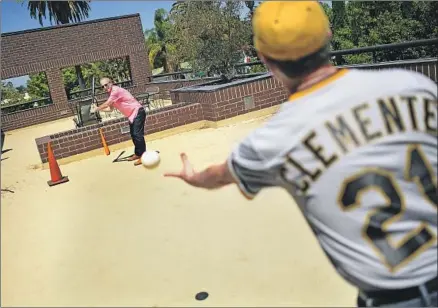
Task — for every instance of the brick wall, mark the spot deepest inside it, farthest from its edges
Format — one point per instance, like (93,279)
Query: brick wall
(53,48)
(166,86)
(220,102)
(33,116)
(210,102)
(53,112)
(84,139)
(225,101)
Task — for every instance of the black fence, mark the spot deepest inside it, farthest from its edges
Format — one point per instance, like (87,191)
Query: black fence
(387,51)
(186,74)
(427,67)
(20,106)
(396,51)
(379,53)
(98,90)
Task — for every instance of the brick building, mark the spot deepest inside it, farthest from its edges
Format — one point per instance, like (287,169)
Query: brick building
(51,49)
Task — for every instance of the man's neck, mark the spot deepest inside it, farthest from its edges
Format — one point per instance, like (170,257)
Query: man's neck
(315,77)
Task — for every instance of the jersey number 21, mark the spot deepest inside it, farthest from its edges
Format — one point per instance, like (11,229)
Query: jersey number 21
(418,171)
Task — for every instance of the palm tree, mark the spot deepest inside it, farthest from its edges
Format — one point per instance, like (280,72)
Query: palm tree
(152,45)
(60,12)
(157,41)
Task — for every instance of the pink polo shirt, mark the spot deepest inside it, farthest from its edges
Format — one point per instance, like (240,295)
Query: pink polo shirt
(124,102)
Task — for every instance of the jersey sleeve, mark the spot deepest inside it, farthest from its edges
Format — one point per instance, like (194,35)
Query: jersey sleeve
(255,164)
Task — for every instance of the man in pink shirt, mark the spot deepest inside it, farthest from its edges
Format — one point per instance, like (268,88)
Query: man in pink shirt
(122,100)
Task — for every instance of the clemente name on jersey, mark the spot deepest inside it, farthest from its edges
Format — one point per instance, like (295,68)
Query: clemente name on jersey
(355,128)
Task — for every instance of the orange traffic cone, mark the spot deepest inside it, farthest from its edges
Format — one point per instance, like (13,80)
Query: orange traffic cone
(55,172)
(105,146)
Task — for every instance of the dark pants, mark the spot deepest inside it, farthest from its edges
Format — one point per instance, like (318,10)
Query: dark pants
(424,295)
(137,132)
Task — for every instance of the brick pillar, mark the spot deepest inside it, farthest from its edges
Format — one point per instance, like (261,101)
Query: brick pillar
(56,87)
(140,69)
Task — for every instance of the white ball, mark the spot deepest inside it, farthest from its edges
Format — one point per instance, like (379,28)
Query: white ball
(150,159)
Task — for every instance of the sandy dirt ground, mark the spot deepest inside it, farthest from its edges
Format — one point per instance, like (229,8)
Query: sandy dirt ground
(120,235)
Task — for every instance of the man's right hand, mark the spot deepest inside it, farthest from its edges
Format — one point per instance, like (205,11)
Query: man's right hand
(213,177)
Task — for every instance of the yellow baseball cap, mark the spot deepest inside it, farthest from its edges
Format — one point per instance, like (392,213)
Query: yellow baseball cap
(290,30)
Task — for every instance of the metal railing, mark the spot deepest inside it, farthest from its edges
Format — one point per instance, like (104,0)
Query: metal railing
(170,76)
(21,106)
(427,66)
(337,54)
(385,47)
(98,90)
(336,57)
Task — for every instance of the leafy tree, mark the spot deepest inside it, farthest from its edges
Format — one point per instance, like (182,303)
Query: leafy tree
(21,89)
(159,43)
(153,47)
(360,24)
(178,7)
(210,35)
(70,79)
(9,94)
(249,49)
(118,69)
(38,86)
(60,12)
(339,16)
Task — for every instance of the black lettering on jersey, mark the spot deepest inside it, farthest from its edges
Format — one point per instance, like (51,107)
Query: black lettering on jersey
(313,176)
(410,100)
(302,185)
(318,150)
(430,115)
(364,122)
(391,115)
(342,133)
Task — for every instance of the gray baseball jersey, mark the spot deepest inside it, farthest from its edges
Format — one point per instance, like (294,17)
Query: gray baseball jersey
(358,153)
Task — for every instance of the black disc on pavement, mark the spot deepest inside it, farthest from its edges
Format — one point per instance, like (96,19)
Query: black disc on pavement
(201,296)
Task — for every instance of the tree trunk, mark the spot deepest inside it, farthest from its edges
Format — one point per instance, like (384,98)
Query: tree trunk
(166,65)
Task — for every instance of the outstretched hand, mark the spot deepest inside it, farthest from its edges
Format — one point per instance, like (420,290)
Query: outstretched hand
(212,177)
(187,173)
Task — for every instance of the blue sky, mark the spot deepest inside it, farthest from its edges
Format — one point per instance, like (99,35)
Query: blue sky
(15,16)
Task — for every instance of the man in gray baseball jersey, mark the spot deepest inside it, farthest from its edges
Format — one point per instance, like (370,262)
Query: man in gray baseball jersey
(357,150)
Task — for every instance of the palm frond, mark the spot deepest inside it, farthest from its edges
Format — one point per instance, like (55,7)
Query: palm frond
(154,50)
(59,12)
